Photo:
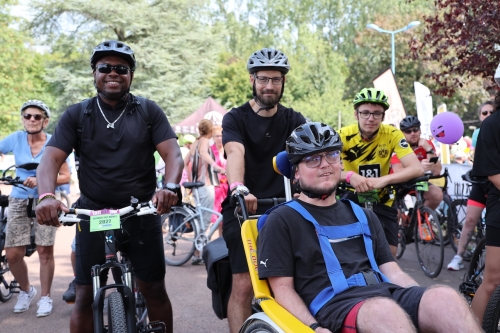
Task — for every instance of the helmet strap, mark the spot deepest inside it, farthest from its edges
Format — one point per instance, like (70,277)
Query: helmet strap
(316,195)
(36,132)
(366,137)
(265,108)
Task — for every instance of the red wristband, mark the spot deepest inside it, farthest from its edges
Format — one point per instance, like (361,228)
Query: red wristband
(234,185)
(348,177)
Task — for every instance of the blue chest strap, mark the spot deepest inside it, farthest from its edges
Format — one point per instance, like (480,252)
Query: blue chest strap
(339,282)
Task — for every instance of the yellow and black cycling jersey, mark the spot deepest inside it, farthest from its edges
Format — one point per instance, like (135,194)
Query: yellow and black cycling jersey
(372,158)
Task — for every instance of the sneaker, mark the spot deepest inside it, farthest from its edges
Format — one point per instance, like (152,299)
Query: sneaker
(197,261)
(24,299)
(44,306)
(69,295)
(456,263)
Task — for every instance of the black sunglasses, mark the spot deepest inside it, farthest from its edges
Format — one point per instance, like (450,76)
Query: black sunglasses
(484,113)
(107,68)
(414,130)
(28,116)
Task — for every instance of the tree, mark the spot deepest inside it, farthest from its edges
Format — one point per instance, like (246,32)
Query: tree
(21,71)
(463,36)
(175,50)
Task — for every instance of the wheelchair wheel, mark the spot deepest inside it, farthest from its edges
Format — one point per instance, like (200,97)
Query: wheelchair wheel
(179,234)
(259,326)
(492,313)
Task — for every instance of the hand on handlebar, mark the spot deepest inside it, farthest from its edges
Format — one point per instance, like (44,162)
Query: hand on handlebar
(164,200)
(47,212)
(30,182)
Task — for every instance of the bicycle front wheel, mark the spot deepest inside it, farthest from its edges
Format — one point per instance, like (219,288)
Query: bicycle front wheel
(179,234)
(116,314)
(492,313)
(477,262)
(429,242)
(455,225)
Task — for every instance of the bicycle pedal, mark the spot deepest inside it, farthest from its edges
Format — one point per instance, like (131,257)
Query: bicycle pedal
(160,327)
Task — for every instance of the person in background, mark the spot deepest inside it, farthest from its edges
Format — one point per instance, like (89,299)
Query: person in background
(476,201)
(222,188)
(29,146)
(204,169)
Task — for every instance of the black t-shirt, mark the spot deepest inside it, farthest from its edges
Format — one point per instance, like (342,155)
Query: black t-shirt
(487,153)
(263,138)
(288,246)
(118,163)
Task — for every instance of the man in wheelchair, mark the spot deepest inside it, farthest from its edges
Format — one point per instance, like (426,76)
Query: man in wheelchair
(328,262)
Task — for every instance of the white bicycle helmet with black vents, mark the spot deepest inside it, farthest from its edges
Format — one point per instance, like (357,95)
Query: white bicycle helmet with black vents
(38,104)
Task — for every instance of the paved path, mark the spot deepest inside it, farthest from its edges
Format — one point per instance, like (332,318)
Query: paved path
(186,285)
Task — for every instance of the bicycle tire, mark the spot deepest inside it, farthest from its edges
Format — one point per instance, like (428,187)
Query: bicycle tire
(447,218)
(477,261)
(491,316)
(5,282)
(259,326)
(459,208)
(179,235)
(116,314)
(430,252)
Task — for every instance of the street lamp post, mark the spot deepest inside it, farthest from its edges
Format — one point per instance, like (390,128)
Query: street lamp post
(375,27)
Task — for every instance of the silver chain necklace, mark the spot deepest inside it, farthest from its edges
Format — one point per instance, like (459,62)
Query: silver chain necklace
(111,125)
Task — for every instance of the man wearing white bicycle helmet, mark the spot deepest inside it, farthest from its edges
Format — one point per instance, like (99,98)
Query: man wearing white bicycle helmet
(29,146)
(328,262)
(252,134)
(115,135)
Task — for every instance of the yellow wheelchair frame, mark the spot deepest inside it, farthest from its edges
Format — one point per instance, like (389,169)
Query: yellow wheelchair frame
(274,318)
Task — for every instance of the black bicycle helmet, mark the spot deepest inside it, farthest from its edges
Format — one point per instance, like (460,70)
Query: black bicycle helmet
(268,59)
(371,95)
(409,122)
(38,104)
(309,139)
(116,48)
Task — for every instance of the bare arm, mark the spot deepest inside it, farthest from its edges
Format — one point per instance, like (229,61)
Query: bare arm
(396,275)
(495,179)
(287,297)
(204,147)
(64,175)
(171,154)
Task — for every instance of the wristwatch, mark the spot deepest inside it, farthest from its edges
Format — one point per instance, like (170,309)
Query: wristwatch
(176,188)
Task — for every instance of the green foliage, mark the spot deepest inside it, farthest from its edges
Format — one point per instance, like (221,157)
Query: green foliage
(21,72)
(175,49)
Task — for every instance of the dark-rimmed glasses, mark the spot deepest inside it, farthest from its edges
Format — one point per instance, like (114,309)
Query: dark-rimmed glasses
(28,116)
(107,68)
(367,114)
(484,113)
(265,80)
(314,161)
(410,130)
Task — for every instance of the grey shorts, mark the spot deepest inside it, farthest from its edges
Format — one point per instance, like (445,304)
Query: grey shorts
(19,227)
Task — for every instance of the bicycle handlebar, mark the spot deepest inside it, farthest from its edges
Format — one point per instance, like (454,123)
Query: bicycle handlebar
(239,199)
(12,181)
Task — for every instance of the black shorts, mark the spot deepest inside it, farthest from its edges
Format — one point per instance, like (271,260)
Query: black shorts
(141,238)
(388,217)
(231,231)
(477,196)
(493,235)
(333,313)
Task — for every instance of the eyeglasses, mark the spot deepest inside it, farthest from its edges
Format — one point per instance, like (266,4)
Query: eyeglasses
(410,130)
(107,68)
(367,114)
(484,113)
(28,116)
(265,80)
(314,161)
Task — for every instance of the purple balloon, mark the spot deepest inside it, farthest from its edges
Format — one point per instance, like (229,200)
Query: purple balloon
(447,127)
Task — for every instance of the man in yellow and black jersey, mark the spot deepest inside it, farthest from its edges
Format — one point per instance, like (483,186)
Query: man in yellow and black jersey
(366,154)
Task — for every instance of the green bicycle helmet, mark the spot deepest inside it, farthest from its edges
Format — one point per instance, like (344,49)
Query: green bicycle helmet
(371,95)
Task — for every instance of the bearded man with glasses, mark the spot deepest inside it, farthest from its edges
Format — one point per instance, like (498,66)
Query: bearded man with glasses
(252,134)
(116,146)
(368,147)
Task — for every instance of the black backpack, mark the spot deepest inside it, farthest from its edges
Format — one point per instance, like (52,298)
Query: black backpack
(85,112)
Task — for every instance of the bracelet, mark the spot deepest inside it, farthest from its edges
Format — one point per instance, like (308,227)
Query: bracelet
(348,177)
(46,196)
(314,326)
(234,185)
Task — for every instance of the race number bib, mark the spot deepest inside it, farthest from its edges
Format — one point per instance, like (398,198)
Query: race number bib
(104,220)
(369,170)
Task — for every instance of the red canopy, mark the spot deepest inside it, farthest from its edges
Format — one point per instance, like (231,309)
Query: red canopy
(209,110)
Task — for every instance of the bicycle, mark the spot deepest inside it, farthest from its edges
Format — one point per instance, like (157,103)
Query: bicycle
(446,213)
(184,233)
(421,225)
(8,285)
(127,310)
(474,275)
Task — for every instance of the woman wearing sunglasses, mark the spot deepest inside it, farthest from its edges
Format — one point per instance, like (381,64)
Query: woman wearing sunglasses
(28,146)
